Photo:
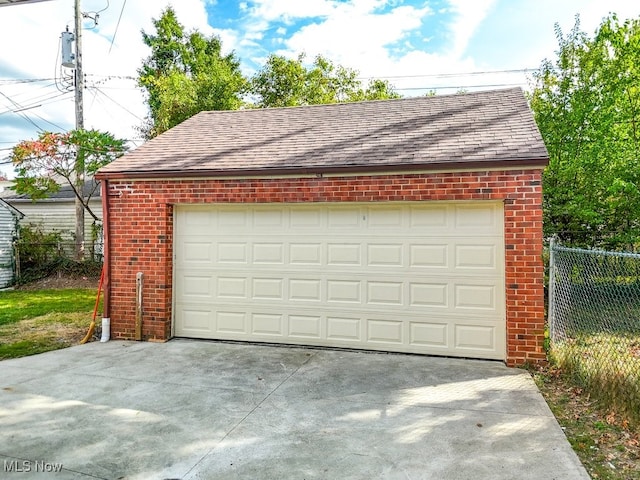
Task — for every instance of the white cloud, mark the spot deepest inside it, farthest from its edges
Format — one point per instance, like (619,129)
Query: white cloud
(270,10)
(360,35)
(469,14)
(356,33)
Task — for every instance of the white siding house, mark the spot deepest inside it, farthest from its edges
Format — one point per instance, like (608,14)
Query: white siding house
(57,212)
(9,217)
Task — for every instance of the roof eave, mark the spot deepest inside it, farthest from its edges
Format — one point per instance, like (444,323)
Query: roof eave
(513,164)
(12,208)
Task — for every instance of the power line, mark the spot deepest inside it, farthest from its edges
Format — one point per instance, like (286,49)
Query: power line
(48,101)
(369,77)
(17,81)
(460,87)
(22,114)
(117,26)
(118,104)
(454,74)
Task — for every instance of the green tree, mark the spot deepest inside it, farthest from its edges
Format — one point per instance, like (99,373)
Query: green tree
(186,73)
(55,159)
(587,104)
(284,82)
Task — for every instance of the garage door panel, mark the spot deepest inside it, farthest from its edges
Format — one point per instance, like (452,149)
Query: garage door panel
(232,287)
(230,323)
(344,329)
(226,218)
(341,254)
(434,217)
(305,326)
(431,335)
(475,337)
(269,253)
(306,218)
(305,290)
(198,218)
(268,289)
(344,291)
(429,295)
(384,218)
(232,252)
(481,296)
(428,255)
(476,256)
(386,254)
(384,331)
(385,293)
(197,320)
(476,217)
(196,286)
(307,254)
(197,252)
(422,278)
(271,218)
(270,324)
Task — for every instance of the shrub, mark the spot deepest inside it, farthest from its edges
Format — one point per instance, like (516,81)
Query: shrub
(42,254)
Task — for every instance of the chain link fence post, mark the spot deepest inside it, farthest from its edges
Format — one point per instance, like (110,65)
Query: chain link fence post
(552,289)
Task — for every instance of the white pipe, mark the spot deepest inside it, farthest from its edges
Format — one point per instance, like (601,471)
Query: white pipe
(106,330)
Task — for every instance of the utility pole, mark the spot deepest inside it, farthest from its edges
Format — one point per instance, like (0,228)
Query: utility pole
(79,84)
(80,166)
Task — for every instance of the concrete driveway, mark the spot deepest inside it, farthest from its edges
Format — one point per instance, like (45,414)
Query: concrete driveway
(205,410)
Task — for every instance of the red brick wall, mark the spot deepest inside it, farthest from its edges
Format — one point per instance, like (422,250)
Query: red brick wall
(141,235)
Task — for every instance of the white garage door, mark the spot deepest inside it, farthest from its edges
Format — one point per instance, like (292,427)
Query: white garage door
(410,277)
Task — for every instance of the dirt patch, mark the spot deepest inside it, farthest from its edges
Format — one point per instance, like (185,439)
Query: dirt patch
(42,334)
(59,281)
(67,329)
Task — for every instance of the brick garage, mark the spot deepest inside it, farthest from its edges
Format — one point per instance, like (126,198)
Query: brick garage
(368,225)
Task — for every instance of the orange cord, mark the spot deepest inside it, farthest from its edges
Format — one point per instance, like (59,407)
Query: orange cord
(92,326)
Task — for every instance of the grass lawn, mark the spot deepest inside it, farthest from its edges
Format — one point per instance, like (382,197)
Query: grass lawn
(42,320)
(607,365)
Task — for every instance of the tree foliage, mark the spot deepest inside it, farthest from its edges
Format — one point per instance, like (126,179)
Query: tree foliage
(186,73)
(54,159)
(587,106)
(285,82)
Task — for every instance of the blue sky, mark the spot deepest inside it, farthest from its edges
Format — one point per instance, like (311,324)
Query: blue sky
(416,44)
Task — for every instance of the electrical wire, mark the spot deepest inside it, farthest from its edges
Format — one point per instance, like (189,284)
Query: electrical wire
(38,103)
(104,9)
(452,74)
(17,81)
(118,104)
(117,26)
(22,114)
(38,98)
(460,87)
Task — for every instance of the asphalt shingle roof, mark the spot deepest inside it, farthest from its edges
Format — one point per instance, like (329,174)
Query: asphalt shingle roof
(91,188)
(492,128)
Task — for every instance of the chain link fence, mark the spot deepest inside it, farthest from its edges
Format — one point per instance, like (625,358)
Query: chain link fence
(594,323)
